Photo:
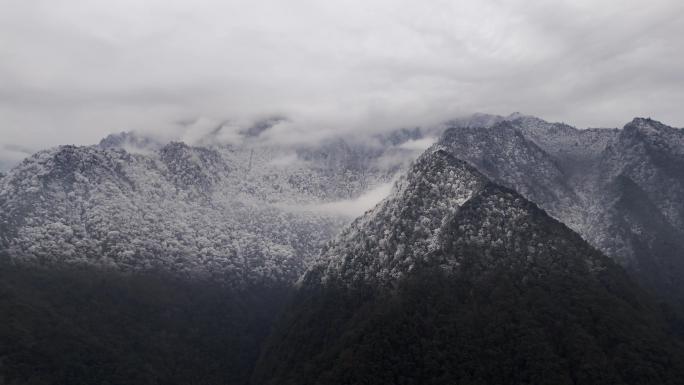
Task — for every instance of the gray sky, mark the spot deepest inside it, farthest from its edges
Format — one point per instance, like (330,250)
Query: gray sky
(72,71)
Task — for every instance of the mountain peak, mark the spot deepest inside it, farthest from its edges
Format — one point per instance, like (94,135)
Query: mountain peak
(644,125)
(518,115)
(648,126)
(654,134)
(438,156)
(400,232)
(641,120)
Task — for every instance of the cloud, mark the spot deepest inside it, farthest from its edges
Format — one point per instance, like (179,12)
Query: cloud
(351,208)
(74,71)
(11,155)
(419,144)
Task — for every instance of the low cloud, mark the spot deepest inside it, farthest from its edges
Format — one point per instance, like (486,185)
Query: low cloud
(352,208)
(11,155)
(73,71)
(419,144)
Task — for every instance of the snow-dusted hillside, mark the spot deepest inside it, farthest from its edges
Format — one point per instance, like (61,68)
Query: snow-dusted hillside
(400,232)
(442,203)
(257,211)
(240,214)
(620,189)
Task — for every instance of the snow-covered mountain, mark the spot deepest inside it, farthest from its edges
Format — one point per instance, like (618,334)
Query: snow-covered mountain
(400,233)
(445,203)
(620,189)
(254,210)
(241,214)
(455,279)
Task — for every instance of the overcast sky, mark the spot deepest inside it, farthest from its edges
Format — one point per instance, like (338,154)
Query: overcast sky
(72,71)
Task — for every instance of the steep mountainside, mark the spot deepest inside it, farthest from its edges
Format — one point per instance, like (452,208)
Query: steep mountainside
(454,279)
(239,214)
(620,189)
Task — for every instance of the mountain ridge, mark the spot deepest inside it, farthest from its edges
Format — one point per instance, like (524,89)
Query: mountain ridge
(575,175)
(221,212)
(506,294)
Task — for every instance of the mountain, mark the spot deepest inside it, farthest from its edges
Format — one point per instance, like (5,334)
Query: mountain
(456,279)
(85,205)
(131,142)
(620,189)
(240,214)
(137,262)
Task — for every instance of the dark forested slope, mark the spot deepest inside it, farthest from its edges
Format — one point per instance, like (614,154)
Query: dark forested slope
(89,326)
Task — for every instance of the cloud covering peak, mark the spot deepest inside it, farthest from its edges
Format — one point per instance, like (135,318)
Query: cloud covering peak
(74,71)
